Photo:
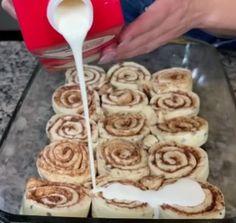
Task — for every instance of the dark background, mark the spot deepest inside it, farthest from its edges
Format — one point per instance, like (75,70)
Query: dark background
(6,22)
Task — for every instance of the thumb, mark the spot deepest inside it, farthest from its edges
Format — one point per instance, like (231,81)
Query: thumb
(8,7)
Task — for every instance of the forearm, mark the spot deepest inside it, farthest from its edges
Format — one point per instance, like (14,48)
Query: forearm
(216,16)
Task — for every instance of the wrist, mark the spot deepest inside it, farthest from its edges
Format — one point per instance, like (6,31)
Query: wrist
(215,16)
(202,14)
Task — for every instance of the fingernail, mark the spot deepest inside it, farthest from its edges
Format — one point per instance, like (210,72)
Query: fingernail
(123,43)
(108,57)
(7,5)
(110,48)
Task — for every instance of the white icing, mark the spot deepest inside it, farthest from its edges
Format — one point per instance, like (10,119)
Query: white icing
(184,192)
(73,19)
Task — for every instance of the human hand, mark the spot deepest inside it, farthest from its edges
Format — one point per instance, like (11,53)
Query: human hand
(163,21)
(8,6)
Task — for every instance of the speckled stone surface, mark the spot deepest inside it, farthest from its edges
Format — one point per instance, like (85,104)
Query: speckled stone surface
(16,66)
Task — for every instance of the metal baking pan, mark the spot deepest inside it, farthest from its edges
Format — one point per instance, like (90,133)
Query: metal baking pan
(25,135)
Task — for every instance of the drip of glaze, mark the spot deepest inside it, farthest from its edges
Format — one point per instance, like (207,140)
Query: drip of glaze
(184,192)
(73,19)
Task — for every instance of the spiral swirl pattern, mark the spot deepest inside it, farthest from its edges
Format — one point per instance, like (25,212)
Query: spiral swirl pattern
(71,127)
(94,76)
(124,125)
(64,161)
(175,104)
(176,161)
(192,131)
(182,124)
(179,77)
(213,207)
(128,75)
(67,100)
(51,194)
(55,199)
(122,159)
(124,98)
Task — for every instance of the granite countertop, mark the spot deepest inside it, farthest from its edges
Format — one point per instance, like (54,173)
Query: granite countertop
(17,65)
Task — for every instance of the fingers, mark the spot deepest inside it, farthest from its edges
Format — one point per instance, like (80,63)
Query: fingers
(108,55)
(148,41)
(144,47)
(8,6)
(163,21)
(140,43)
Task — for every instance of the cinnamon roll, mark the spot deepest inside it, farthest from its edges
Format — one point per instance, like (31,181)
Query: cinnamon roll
(191,131)
(55,199)
(122,159)
(64,161)
(172,79)
(67,100)
(115,208)
(71,127)
(128,101)
(175,161)
(128,75)
(130,126)
(175,104)
(94,76)
(213,206)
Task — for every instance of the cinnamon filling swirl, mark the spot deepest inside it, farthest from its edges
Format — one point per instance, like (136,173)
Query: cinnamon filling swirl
(182,124)
(191,131)
(213,206)
(94,76)
(63,160)
(128,75)
(177,76)
(54,195)
(67,100)
(124,124)
(71,127)
(174,161)
(175,104)
(122,159)
(124,97)
(174,100)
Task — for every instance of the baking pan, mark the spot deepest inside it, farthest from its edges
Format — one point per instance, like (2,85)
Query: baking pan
(25,135)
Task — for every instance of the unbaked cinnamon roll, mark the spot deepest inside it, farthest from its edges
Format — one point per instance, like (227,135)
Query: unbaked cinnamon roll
(128,101)
(175,104)
(115,208)
(122,159)
(191,131)
(172,79)
(94,76)
(130,126)
(67,100)
(175,161)
(213,206)
(64,161)
(128,75)
(71,127)
(55,199)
